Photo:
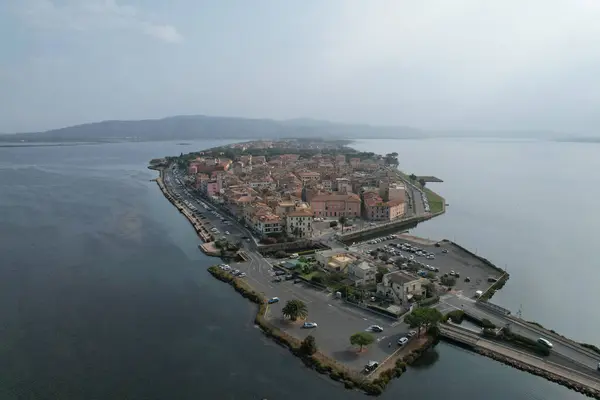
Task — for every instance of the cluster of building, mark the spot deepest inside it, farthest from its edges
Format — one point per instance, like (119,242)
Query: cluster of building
(398,287)
(283,193)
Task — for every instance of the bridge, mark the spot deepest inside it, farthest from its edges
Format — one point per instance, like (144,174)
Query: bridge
(541,366)
(565,351)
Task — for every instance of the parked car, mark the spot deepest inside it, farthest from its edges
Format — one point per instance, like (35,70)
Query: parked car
(444,251)
(467,279)
(277,279)
(279,272)
(402,341)
(273,300)
(371,366)
(309,325)
(411,334)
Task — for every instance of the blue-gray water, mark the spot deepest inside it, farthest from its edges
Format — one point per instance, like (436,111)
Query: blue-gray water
(104,294)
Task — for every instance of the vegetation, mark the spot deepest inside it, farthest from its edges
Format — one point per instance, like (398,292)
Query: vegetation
(436,202)
(361,339)
(422,182)
(308,345)
(455,316)
(487,324)
(412,177)
(343,221)
(448,280)
(423,317)
(333,224)
(524,342)
(496,286)
(591,347)
(295,309)
(280,254)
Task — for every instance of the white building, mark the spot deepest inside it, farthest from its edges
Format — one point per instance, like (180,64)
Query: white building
(299,223)
(362,273)
(401,287)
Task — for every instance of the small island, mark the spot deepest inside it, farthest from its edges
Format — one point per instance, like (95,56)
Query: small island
(314,232)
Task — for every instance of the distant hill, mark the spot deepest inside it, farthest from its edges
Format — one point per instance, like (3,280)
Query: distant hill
(200,126)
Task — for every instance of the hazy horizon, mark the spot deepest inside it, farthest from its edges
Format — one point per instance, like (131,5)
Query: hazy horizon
(432,65)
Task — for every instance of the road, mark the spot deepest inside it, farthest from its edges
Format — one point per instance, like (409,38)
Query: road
(563,352)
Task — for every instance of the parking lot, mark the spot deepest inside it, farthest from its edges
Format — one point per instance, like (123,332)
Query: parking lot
(439,258)
(336,320)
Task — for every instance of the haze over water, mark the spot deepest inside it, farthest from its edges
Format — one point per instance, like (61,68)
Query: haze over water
(104,294)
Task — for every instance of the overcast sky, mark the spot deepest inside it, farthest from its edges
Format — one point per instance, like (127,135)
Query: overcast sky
(433,64)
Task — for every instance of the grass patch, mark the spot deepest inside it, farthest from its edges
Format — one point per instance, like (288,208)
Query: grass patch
(436,202)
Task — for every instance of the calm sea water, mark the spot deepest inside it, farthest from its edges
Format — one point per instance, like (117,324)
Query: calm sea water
(104,294)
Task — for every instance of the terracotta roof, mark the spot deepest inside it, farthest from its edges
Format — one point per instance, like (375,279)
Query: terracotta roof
(338,197)
(300,213)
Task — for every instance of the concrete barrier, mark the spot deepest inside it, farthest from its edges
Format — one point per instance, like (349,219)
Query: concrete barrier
(493,307)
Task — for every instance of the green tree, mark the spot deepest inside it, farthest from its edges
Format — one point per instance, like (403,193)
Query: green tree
(448,280)
(308,345)
(296,231)
(295,309)
(361,339)
(333,224)
(412,177)
(343,221)
(424,317)
(422,182)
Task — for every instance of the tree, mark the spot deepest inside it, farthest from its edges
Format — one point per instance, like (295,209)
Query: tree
(333,224)
(448,280)
(295,309)
(361,339)
(308,345)
(343,221)
(424,317)
(412,177)
(422,182)
(280,254)
(296,231)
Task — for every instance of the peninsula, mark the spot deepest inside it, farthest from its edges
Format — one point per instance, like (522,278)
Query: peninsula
(314,232)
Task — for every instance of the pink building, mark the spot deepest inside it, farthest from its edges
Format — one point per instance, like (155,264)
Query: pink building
(193,169)
(336,205)
(212,188)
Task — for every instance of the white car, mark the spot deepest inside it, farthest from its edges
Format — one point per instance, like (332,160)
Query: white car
(375,328)
(402,341)
(227,233)
(309,325)
(545,342)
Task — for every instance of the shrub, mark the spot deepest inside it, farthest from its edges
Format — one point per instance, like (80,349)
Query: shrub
(448,280)
(349,384)
(333,224)
(429,301)
(280,254)
(317,279)
(487,324)
(268,240)
(372,389)
(398,372)
(308,345)
(409,359)
(456,316)
(401,364)
(334,375)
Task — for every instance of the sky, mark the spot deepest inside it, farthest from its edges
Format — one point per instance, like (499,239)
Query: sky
(430,64)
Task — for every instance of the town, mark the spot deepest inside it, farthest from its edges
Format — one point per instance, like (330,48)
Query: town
(315,233)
